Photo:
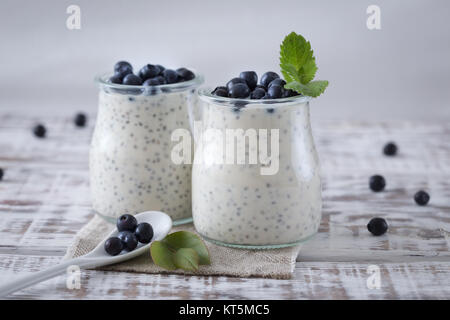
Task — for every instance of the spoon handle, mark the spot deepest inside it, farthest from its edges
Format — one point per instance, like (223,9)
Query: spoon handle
(36,277)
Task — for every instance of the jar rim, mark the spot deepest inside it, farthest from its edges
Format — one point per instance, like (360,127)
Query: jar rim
(102,80)
(206,95)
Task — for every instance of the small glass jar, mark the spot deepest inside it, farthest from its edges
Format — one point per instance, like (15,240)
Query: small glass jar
(271,203)
(131,169)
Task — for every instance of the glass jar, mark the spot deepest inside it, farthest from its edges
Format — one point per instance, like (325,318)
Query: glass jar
(268,193)
(130,163)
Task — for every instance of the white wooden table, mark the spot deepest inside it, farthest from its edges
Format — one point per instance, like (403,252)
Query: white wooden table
(44,200)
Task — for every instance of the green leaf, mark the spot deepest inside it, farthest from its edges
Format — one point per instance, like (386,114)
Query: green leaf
(162,255)
(185,239)
(311,89)
(298,66)
(296,59)
(186,259)
(181,249)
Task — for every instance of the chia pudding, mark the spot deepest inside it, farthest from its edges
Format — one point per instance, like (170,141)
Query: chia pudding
(234,204)
(130,156)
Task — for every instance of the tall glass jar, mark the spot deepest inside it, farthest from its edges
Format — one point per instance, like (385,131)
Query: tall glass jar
(131,169)
(268,193)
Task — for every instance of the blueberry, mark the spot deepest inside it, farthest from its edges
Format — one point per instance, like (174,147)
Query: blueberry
(275,92)
(270,110)
(161,69)
(148,71)
(239,90)
(117,78)
(144,232)
(261,86)
(185,74)
(171,76)
(390,149)
(156,81)
(234,81)
(377,183)
(377,226)
(128,239)
(289,93)
(278,82)
(258,93)
(113,246)
(126,222)
(267,78)
(80,119)
(39,131)
(250,77)
(132,80)
(421,198)
(123,67)
(1,174)
(220,91)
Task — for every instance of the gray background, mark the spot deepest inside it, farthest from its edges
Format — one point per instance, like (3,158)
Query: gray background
(399,72)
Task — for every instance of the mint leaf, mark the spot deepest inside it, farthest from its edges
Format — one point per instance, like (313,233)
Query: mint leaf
(186,259)
(184,239)
(162,256)
(298,66)
(181,249)
(311,89)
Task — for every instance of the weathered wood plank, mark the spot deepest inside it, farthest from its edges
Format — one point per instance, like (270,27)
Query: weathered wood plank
(44,200)
(317,280)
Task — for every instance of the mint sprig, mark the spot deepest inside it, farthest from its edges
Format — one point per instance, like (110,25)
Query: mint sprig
(298,66)
(182,249)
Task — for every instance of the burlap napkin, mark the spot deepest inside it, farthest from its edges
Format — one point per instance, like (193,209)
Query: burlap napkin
(225,261)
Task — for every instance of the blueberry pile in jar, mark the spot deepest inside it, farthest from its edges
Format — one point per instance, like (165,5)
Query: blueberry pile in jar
(130,233)
(148,75)
(246,86)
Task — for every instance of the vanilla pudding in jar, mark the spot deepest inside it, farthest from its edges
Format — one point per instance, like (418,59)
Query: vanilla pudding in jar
(131,169)
(273,202)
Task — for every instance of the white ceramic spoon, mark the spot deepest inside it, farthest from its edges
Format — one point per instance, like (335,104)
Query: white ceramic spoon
(98,257)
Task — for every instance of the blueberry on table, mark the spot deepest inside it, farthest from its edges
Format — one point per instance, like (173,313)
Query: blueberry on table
(39,131)
(132,80)
(239,90)
(250,77)
(185,74)
(113,246)
(117,78)
(148,71)
(156,81)
(275,92)
(234,81)
(377,226)
(258,93)
(144,232)
(377,183)
(80,119)
(268,77)
(126,222)
(277,82)
(171,76)
(421,198)
(390,149)
(128,239)
(123,67)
